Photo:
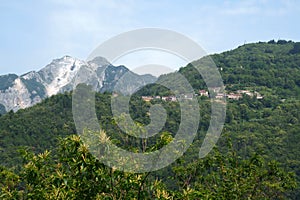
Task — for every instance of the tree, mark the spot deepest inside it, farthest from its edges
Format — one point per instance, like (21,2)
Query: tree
(296,48)
(227,176)
(73,173)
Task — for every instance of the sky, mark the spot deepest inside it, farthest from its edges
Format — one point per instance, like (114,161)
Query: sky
(34,32)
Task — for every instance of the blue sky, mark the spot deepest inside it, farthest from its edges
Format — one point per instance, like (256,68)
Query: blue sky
(34,32)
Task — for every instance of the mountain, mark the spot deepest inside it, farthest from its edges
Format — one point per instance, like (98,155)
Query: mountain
(270,68)
(269,126)
(63,75)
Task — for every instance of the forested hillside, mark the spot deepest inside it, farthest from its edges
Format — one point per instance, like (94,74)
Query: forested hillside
(258,149)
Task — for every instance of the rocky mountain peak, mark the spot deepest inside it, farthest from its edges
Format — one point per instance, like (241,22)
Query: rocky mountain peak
(62,75)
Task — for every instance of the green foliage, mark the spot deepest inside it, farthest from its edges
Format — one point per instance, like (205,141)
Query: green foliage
(73,173)
(269,126)
(262,64)
(259,66)
(37,127)
(9,183)
(296,48)
(227,176)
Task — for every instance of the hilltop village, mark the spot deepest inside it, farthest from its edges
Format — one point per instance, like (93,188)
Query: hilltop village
(216,94)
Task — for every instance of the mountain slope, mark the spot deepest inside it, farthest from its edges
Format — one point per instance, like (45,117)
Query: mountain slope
(264,66)
(269,127)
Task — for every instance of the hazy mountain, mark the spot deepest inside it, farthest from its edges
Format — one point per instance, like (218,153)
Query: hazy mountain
(63,75)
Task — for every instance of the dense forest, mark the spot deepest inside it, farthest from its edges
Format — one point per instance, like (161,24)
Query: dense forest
(257,156)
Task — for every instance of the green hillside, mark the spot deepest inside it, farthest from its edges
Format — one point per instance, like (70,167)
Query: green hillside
(261,132)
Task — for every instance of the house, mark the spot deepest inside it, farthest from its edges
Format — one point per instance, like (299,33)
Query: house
(147,98)
(258,96)
(172,98)
(169,98)
(164,98)
(203,93)
(251,94)
(234,96)
(220,95)
(247,92)
(188,96)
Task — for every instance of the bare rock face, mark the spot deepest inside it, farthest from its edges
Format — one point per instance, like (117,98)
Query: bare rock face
(63,75)
(17,96)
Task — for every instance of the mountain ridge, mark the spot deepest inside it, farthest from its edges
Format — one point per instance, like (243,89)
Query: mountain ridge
(62,75)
